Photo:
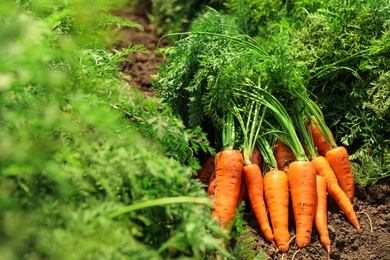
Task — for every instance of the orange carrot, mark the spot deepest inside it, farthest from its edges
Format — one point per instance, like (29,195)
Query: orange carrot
(257,158)
(302,182)
(254,183)
(283,155)
(206,170)
(211,185)
(324,169)
(320,213)
(228,177)
(339,161)
(244,196)
(319,141)
(277,200)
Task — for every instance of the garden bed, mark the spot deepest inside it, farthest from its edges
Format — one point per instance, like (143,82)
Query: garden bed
(372,204)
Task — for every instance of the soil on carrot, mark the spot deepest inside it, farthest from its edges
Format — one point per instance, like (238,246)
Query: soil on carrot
(372,204)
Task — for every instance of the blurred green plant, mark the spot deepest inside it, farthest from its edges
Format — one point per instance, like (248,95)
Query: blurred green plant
(78,144)
(245,246)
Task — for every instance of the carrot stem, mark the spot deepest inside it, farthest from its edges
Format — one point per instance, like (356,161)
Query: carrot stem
(280,114)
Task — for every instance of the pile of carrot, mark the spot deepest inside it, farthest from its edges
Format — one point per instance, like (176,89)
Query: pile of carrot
(306,183)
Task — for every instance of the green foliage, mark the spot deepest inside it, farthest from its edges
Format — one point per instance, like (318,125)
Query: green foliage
(71,155)
(157,122)
(346,47)
(369,169)
(182,80)
(340,52)
(253,15)
(379,96)
(204,69)
(244,241)
(174,15)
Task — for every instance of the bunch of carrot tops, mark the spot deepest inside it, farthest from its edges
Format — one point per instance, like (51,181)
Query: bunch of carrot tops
(274,143)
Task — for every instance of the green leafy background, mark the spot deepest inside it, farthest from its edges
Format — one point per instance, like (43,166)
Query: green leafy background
(78,144)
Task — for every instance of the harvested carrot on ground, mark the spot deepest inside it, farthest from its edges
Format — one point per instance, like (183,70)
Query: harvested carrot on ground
(283,155)
(253,177)
(254,182)
(301,173)
(324,169)
(337,156)
(321,212)
(228,176)
(321,164)
(256,159)
(207,169)
(302,181)
(277,197)
(339,161)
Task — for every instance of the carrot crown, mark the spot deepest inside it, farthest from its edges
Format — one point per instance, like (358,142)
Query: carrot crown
(228,132)
(280,114)
(267,152)
(317,118)
(251,129)
(300,119)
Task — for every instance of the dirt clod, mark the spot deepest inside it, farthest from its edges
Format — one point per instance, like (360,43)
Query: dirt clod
(379,192)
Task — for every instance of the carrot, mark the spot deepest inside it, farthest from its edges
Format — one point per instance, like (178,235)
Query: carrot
(257,158)
(319,141)
(302,182)
(211,185)
(228,177)
(277,200)
(320,213)
(206,170)
(283,155)
(254,183)
(324,169)
(339,161)
(244,196)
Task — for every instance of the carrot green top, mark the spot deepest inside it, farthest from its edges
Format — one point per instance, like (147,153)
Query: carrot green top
(317,117)
(267,153)
(290,138)
(251,129)
(228,132)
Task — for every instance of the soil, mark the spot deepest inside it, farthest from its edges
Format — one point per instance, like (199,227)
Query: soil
(141,67)
(372,204)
